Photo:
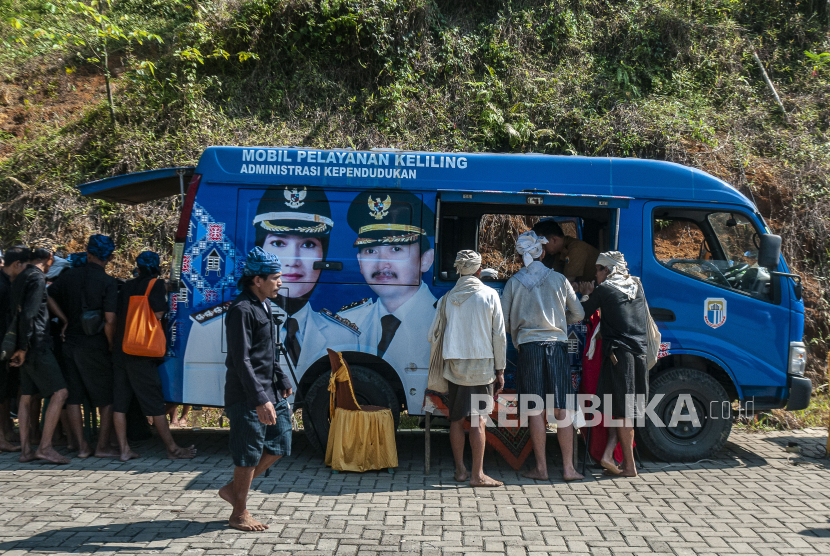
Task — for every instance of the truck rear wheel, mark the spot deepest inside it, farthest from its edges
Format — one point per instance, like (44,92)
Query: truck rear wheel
(369,388)
(685,441)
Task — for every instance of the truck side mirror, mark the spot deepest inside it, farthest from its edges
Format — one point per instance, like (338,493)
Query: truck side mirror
(769,253)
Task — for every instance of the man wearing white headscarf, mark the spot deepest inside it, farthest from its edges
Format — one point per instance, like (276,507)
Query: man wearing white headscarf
(538,303)
(624,373)
(470,324)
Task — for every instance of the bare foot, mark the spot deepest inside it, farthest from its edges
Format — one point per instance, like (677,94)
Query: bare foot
(572,475)
(225,493)
(620,473)
(84,451)
(485,481)
(246,522)
(6,446)
(461,477)
(128,455)
(182,423)
(610,466)
(27,456)
(108,452)
(188,453)
(50,455)
(536,475)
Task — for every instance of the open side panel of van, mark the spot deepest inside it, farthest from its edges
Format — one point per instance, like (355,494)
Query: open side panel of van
(482,220)
(140,187)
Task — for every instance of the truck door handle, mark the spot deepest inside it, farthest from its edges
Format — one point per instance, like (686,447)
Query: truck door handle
(662,315)
(327,265)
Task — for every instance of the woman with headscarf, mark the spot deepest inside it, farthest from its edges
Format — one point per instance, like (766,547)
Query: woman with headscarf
(538,303)
(469,327)
(624,374)
(136,375)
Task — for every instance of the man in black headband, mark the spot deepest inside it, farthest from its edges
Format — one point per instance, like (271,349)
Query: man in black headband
(39,370)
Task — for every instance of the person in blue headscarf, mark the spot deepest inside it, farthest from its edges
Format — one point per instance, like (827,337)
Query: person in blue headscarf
(87,295)
(255,387)
(136,375)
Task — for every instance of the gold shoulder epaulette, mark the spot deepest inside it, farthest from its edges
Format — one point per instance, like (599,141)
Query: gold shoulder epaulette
(340,320)
(355,304)
(211,312)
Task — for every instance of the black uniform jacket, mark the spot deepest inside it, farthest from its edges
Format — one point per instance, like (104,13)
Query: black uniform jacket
(33,321)
(253,371)
(6,312)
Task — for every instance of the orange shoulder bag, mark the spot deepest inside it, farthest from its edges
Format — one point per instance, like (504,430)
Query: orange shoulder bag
(143,335)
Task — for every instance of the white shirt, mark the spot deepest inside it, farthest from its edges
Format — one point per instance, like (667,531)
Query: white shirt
(541,312)
(475,329)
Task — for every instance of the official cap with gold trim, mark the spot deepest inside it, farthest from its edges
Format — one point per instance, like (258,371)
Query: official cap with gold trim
(390,217)
(295,210)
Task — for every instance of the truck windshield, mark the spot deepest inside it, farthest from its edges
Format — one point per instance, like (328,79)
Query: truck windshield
(720,248)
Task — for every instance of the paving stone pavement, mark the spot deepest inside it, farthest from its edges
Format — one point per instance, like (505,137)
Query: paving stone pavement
(753,498)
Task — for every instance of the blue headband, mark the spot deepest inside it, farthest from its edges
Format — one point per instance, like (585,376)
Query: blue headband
(260,263)
(148,261)
(100,246)
(77,259)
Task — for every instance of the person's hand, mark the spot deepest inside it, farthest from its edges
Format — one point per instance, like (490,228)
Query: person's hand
(499,382)
(287,392)
(18,358)
(266,414)
(586,288)
(63,330)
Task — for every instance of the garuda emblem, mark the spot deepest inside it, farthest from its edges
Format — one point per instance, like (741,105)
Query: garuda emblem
(378,208)
(294,198)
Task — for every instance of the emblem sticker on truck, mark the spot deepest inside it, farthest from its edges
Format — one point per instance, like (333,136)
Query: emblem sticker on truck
(714,311)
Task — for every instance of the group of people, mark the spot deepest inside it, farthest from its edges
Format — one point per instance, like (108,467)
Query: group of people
(562,281)
(62,325)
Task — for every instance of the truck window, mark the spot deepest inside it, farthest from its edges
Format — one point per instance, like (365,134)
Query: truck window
(719,248)
(483,228)
(497,234)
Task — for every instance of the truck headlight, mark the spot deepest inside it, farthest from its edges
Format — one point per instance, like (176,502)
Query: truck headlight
(798,359)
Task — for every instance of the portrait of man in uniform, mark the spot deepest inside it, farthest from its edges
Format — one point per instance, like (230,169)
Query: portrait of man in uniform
(393,250)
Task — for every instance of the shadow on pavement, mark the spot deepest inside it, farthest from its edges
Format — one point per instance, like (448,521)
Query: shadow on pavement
(118,537)
(812,448)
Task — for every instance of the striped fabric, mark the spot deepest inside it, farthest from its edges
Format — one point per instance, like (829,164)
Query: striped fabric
(544,368)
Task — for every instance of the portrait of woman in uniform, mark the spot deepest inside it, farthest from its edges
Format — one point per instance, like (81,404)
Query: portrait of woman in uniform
(294,223)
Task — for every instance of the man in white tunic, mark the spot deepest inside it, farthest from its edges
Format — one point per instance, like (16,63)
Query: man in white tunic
(474,356)
(538,304)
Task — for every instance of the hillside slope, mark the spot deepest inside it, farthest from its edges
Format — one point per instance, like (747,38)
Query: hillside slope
(664,79)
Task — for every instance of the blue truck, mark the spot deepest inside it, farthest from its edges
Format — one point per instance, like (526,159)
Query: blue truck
(367,240)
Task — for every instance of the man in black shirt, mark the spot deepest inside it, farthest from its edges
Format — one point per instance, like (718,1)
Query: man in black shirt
(39,370)
(87,356)
(137,375)
(14,263)
(255,387)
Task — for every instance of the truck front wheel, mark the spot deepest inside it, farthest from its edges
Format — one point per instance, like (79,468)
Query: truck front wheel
(687,391)
(369,389)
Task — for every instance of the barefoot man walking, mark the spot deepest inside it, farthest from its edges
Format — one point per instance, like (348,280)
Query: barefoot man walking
(255,387)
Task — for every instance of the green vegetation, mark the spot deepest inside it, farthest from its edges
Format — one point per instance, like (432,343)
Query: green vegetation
(665,79)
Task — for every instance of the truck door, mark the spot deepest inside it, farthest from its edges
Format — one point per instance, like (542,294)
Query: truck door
(703,282)
(489,223)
